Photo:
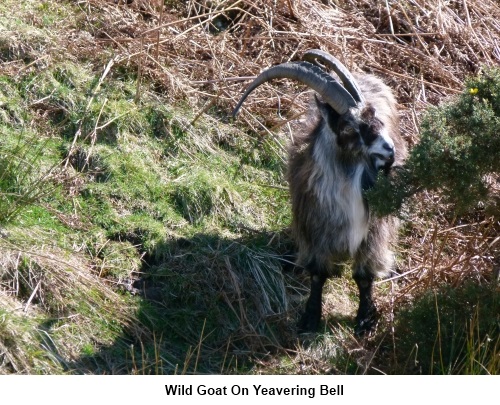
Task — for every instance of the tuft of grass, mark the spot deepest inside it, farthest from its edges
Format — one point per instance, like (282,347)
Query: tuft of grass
(55,307)
(23,178)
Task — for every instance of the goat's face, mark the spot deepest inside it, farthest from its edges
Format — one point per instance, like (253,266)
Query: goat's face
(375,139)
(360,135)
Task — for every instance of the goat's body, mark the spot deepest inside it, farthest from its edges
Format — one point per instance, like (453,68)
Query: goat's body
(331,218)
(355,135)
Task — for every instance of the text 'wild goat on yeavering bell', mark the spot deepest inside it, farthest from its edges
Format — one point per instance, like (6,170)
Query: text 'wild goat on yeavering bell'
(355,135)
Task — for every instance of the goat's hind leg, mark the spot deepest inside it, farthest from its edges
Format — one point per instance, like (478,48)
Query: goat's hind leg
(367,316)
(309,322)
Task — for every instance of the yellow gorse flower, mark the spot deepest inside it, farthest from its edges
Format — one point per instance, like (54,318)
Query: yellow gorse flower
(473,91)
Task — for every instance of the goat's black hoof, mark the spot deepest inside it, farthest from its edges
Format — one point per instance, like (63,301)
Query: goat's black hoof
(308,324)
(366,323)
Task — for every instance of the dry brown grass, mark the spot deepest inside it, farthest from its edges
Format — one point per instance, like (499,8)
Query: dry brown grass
(50,301)
(424,50)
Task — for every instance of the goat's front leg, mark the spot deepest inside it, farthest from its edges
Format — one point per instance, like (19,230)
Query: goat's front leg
(367,316)
(309,322)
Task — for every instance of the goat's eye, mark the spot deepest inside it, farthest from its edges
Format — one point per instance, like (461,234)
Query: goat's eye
(348,131)
(348,137)
(368,134)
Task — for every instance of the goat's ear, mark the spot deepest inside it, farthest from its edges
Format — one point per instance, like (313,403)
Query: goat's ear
(321,106)
(328,113)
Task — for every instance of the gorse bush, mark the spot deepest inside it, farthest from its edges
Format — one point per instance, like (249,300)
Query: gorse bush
(459,146)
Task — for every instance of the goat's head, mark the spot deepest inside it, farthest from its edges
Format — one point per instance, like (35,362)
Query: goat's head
(359,131)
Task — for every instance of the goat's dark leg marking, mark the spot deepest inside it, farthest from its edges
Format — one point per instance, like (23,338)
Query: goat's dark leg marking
(367,316)
(312,316)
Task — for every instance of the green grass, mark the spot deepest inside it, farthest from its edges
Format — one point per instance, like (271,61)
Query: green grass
(25,174)
(99,193)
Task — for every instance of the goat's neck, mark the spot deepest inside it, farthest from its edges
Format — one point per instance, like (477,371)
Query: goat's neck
(338,186)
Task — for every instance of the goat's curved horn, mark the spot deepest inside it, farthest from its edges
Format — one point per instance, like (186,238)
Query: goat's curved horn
(331,62)
(312,76)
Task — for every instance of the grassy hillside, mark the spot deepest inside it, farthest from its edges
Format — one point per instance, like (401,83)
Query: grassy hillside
(143,231)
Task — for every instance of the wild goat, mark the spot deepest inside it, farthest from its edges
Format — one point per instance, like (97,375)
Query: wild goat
(356,135)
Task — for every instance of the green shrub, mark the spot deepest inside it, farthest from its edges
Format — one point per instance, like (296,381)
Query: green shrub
(459,146)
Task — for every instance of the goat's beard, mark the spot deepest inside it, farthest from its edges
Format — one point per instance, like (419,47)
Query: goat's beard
(386,168)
